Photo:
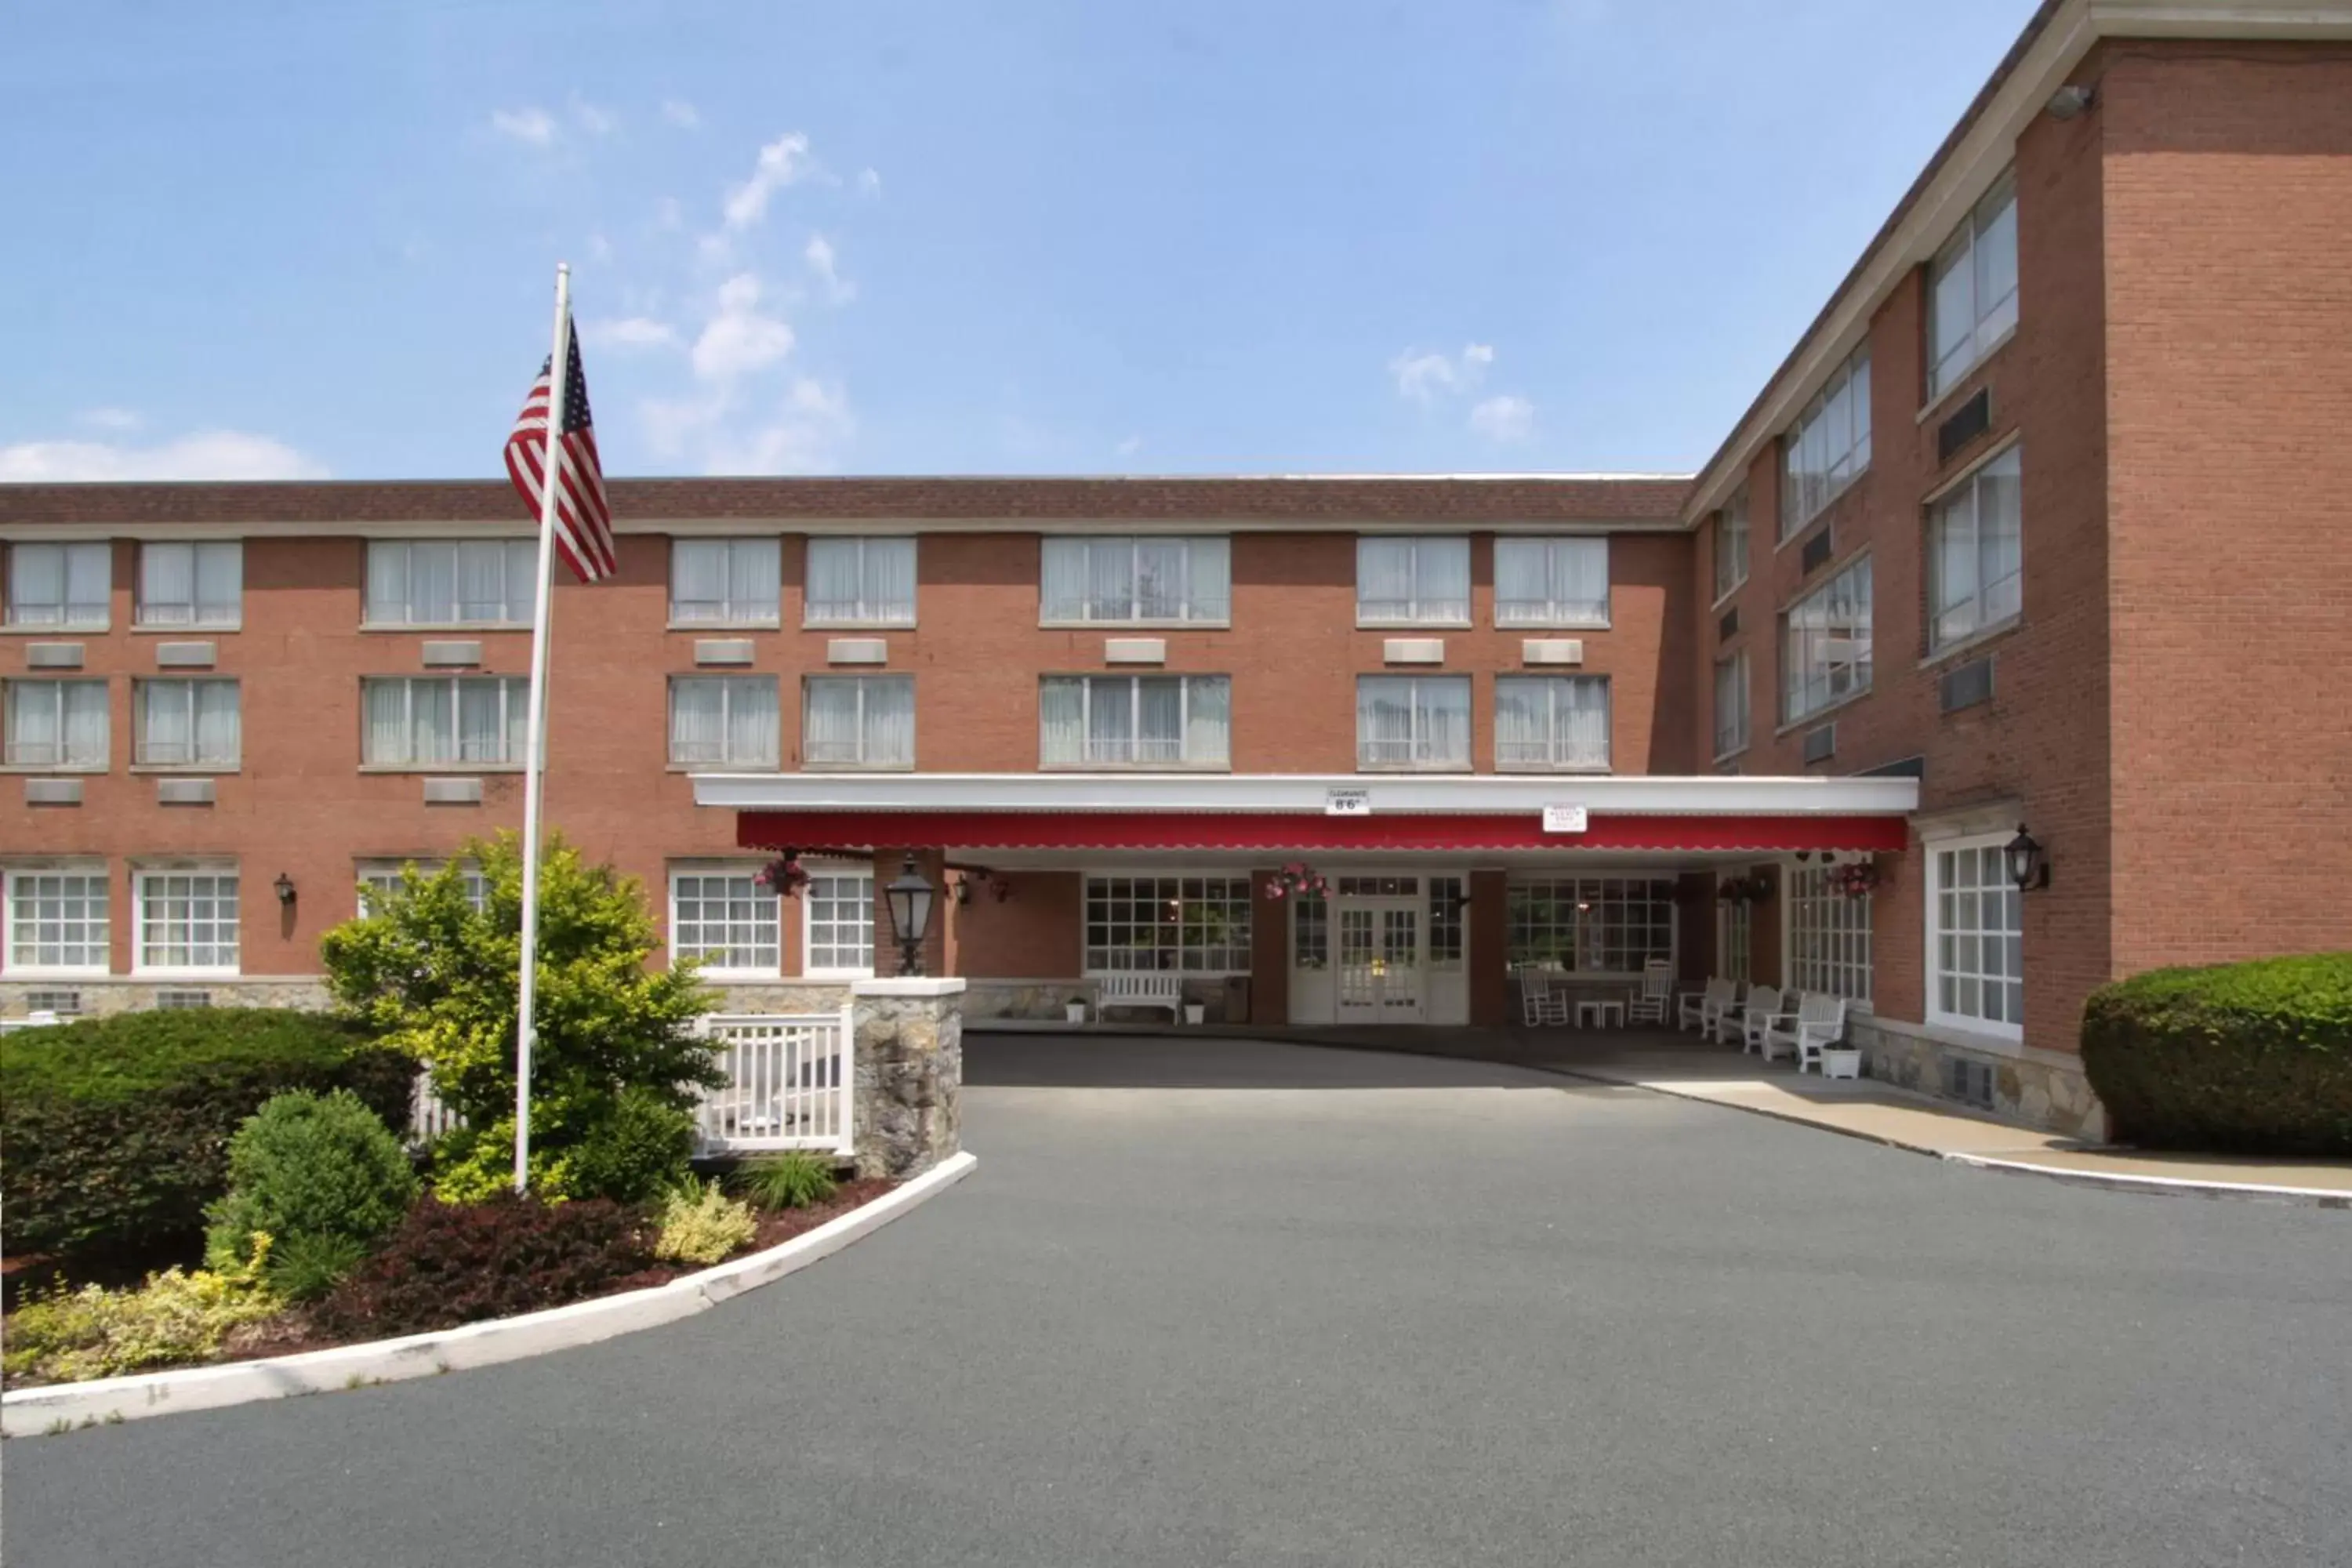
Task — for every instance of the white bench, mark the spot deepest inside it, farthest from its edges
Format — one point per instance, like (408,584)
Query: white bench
(1818,1021)
(1759,1015)
(1139,988)
(1705,1008)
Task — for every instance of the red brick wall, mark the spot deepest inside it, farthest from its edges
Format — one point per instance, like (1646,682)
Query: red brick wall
(1032,935)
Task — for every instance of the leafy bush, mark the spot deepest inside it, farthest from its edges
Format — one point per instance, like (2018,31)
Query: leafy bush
(117,1128)
(2243,1058)
(634,1154)
(321,1174)
(794,1178)
(67,1336)
(700,1224)
(457,1263)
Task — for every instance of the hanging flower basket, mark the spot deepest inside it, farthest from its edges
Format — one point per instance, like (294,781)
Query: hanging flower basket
(1297,880)
(783,875)
(1856,879)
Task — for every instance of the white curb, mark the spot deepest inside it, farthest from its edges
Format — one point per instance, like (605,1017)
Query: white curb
(2176,1187)
(26,1411)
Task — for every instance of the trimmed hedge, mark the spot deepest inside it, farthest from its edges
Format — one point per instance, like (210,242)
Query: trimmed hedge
(2253,1058)
(115,1131)
(457,1263)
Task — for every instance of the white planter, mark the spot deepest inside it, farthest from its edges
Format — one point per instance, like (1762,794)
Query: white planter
(1076,1012)
(1840,1061)
(1195,1011)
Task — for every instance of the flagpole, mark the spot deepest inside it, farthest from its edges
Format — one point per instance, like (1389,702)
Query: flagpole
(559,369)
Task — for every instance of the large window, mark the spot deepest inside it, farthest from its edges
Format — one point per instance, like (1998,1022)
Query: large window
(1829,936)
(1187,925)
(1731,705)
(56,725)
(60,585)
(860,583)
(1448,934)
(1976,928)
(1972,288)
(1829,447)
(451,582)
(728,720)
(1735,943)
(383,879)
(728,920)
(188,922)
(1412,582)
(1405,722)
(1976,560)
(1591,925)
(57,921)
(191,584)
(444,722)
(858,722)
(725,582)
(186,724)
(1134,720)
(1137,580)
(1551,581)
(1551,721)
(1825,644)
(837,938)
(1731,543)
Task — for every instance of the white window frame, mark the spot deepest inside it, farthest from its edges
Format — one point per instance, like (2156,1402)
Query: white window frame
(145,612)
(1234,893)
(12,612)
(1550,612)
(839,871)
(514,691)
(1735,939)
(1554,685)
(728,687)
(1462,765)
(1931,966)
(1860,637)
(1731,546)
(1844,456)
(1990,323)
(1207,557)
(862,614)
(864,684)
(12,964)
(729,613)
(1743,686)
(1808,899)
(518,599)
(1965,496)
(9,743)
(1087,762)
(1416,615)
(139,894)
(767,929)
(1595,918)
(147,689)
(386,874)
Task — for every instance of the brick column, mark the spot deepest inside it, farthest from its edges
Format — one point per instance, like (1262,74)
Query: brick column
(1490,942)
(1269,952)
(908,1085)
(933,865)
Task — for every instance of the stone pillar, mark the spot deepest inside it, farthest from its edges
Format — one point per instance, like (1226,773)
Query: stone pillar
(909,1080)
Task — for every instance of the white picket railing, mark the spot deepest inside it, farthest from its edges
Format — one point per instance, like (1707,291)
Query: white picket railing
(427,1117)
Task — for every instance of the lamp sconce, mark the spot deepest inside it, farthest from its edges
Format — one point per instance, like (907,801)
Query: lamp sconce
(284,886)
(2029,863)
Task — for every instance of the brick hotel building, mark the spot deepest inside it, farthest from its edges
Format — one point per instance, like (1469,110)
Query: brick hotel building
(2044,521)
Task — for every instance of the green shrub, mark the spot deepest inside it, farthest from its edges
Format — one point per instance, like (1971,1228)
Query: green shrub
(700,1224)
(321,1174)
(794,1178)
(460,1263)
(67,1336)
(116,1130)
(2244,1058)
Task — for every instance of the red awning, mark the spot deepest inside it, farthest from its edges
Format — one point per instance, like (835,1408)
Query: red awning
(1293,830)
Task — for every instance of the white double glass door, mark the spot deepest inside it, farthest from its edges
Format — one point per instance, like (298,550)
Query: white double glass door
(1381,961)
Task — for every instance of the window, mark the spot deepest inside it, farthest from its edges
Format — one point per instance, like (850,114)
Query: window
(1975,553)
(860,583)
(451,582)
(1830,448)
(730,719)
(178,1001)
(1731,705)
(56,922)
(60,584)
(1412,582)
(1590,925)
(1447,901)
(1972,288)
(858,722)
(1976,928)
(1413,722)
(725,582)
(1152,581)
(57,724)
(1731,543)
(444,722)
(188,920)
(1735,943)
(838,935)
(728,920)
(1829,936)
(191,585)
(1134,720)
(1184,925)
(1551,721)
(1551,581)
(64,1002)
(186,724)
(381,880)
(1825,643)
(1310,933)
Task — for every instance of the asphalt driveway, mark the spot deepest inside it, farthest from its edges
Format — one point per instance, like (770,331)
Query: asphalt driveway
(1220,1302)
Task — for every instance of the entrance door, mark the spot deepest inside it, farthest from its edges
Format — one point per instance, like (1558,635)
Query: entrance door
(1380,960)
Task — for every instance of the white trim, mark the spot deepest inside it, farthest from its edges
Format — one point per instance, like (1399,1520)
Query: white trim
(909,985)
(1956,1027)
(10,970)
(737,867)
(140,871)
(874,886)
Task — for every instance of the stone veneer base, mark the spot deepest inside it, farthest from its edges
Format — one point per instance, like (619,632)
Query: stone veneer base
(2041,1089)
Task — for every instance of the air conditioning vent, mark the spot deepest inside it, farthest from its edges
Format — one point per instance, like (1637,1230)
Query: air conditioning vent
(1728,626)
(64,1004)
(1966,685)
(173,1000)
(1968,422)
(1821,745)
(1816,553)
(1969,1080)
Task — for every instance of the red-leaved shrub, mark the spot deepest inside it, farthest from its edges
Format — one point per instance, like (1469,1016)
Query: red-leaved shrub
(458,1263)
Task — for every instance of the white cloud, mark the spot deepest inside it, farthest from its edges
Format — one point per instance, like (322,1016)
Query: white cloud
(823,262)
(206,454)
(1424,377)
(1129,447)
(111,418)
(1478,354)
(680,113)
(783,162)
(869,182)
(1506,418)
(594,120)
(535,126)
(629,333)
(738,339)
(804,435)
(670,212)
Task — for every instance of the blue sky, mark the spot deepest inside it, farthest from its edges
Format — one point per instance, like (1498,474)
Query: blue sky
(270,238)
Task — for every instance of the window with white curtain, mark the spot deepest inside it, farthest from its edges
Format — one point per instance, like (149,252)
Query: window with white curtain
(1735,939)
(187,922)
(837,933)
(186,724)
(1976,561)
(1972,288)
(1412,582)
(725,720)
(1829,936)
(857,721)
(57,724)
(1134,720)
(860,583)
(1136,581)
(1551,721)
(1413,722)
(725,582)
(727,918)
(378,879)
(1829,447)
(57,922)
(60,584)
(1825,644)
(1975,924)
(1731,543)
(1551,581)
(191,583)
(451,582)
(444,722)
(1731,704)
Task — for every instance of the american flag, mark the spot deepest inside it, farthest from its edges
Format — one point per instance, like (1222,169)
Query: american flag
(583,521)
